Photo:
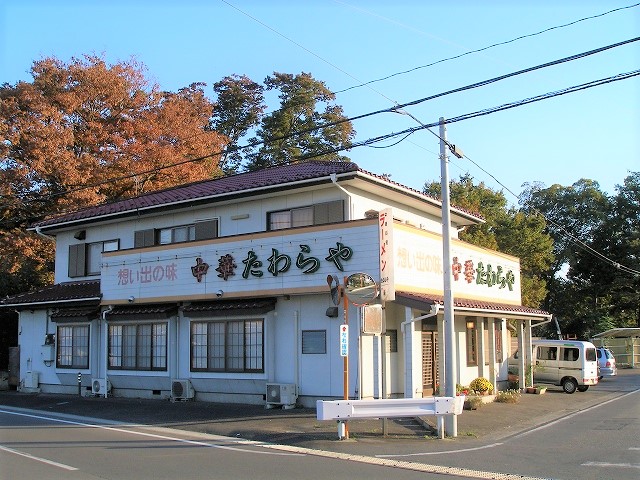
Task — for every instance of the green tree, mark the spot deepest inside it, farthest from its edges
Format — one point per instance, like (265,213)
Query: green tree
(290,133)
(238,109)
(594,282)
(615,287)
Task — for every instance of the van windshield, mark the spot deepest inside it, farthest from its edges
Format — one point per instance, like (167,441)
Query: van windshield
(590,354)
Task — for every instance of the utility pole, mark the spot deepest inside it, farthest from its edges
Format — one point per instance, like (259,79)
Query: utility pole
(450,367)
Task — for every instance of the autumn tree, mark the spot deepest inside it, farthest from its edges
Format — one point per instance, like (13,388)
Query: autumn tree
(83,133)
(505,229)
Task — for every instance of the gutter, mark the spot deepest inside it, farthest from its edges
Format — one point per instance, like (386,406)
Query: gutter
(28,305)
(39,231)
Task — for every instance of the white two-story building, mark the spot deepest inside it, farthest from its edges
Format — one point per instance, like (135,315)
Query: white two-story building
(225,290)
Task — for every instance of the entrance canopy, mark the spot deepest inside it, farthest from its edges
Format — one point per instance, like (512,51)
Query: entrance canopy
(474,308)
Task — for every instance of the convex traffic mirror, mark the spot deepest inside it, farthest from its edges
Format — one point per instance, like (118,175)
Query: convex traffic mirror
(360,288)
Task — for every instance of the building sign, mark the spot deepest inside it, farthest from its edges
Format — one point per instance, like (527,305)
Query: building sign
(477,273)
(266,262)
(385,231)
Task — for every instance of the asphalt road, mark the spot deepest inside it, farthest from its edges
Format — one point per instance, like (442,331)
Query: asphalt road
(591,435)
(43,447)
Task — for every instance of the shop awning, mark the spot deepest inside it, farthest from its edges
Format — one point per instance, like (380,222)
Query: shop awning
(250,306)
(75,314)
(143,312)
(478,308)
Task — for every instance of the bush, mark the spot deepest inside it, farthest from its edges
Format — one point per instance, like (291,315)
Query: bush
(473,403)
(508,396)
(481,385)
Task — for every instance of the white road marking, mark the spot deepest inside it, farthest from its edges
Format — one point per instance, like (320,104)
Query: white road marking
(38,459)
(440,453)
(606,464)
(546,425)
(152,435)
(415,466)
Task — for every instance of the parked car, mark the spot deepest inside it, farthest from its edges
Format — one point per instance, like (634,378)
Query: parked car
(606,363)
(568,363)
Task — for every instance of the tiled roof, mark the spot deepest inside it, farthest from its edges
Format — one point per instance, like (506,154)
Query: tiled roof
(88,290)
(472,304)
(230,185)
(209,188)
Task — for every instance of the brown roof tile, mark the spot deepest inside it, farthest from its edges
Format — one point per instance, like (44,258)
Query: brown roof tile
(224,186)
(474,304)
(209,188)
(71,292)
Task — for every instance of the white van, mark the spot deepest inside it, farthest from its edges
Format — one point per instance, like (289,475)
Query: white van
(569,363)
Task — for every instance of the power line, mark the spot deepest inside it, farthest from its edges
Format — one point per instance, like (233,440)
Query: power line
(485,48)
(488,111)
(407,132)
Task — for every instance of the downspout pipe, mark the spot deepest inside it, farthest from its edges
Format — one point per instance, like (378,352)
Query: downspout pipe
(334,179)
(435,308)
(105,312)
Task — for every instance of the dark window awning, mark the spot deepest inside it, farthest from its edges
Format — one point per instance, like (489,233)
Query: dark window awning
(251,306)
(65,315)
(142,312)
(465,306)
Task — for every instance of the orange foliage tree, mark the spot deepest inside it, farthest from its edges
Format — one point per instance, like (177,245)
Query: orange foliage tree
(83,133)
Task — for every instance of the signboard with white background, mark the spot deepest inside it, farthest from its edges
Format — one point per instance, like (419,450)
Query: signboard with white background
(267,263)
(478,273)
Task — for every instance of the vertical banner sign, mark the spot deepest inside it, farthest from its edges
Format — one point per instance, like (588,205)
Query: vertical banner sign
(344,340)
(385,233)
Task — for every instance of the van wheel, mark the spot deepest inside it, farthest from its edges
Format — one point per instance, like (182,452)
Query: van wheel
(569,385)
(583,388)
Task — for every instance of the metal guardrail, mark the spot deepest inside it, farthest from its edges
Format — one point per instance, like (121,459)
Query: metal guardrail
(344,410)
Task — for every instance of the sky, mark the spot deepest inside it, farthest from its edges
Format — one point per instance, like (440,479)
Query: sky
(593,133)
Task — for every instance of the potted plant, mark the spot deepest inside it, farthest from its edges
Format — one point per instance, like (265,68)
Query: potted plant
(540,389)
(481,386)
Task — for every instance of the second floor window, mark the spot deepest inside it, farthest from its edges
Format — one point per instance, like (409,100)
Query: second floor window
(317,214)
(86,258)
(181,233)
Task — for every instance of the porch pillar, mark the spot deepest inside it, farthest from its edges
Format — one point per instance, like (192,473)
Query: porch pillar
(412,371)
(492,353)
(482,360)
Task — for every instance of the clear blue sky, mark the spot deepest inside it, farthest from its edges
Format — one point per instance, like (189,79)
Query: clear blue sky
(590,134)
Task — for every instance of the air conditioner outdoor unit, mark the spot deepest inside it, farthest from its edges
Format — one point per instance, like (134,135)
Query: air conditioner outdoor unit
(100,386)
(281,394)
(182,390)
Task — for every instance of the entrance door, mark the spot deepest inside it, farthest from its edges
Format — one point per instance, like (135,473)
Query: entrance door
(429,363)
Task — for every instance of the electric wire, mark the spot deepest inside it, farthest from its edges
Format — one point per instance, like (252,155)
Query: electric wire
(487,111)
(485,48)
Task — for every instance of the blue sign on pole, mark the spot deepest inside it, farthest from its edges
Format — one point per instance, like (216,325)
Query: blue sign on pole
(344,340)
